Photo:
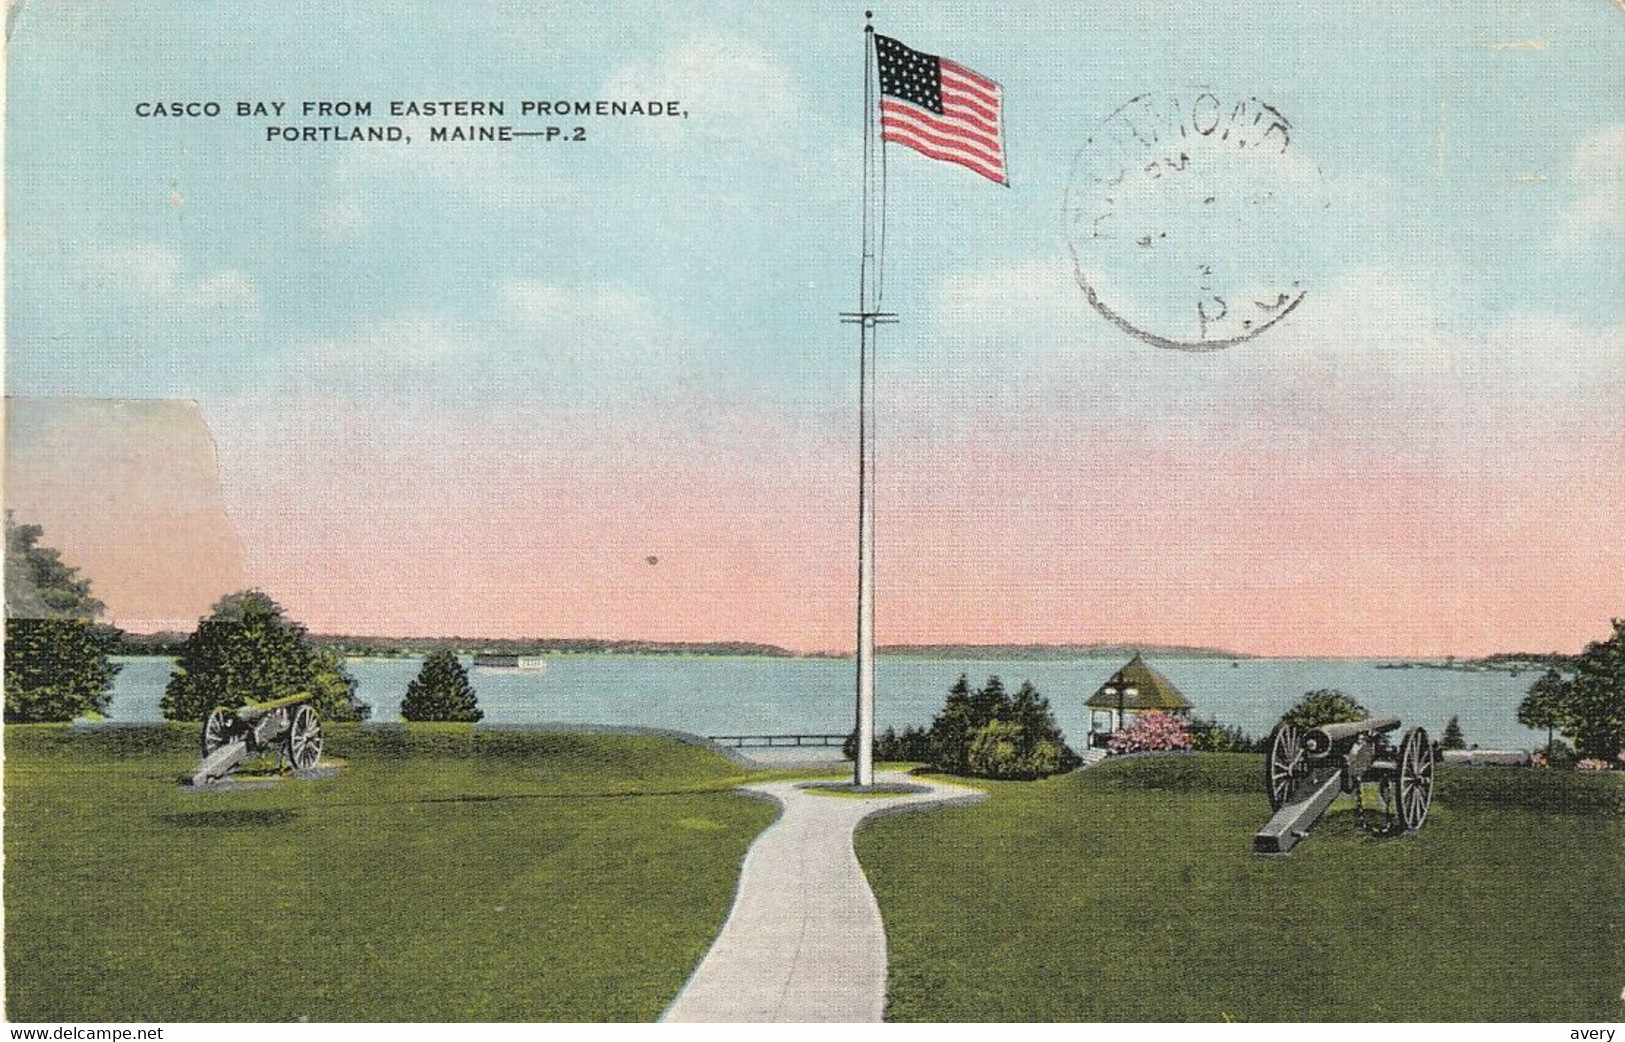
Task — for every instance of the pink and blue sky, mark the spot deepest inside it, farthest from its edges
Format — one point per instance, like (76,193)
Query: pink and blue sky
(472,389)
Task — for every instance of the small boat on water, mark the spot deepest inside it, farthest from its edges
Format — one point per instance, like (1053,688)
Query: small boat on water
(512,663)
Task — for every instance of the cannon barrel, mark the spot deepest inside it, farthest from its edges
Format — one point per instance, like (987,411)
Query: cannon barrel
(1320,741)
(252,711)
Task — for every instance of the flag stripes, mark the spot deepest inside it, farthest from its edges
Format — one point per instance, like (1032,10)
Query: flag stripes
(941,109)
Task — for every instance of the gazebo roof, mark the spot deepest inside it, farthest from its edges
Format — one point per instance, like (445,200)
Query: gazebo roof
(1151,689)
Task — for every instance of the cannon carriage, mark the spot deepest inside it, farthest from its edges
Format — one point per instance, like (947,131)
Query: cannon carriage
(230,736)
(1305,771)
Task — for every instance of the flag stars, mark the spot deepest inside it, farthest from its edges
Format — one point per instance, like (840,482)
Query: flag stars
(913,76)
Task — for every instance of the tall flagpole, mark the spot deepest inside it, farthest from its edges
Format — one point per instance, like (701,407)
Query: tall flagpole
(867,318)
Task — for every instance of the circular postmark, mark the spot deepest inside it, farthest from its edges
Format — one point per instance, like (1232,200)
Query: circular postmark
(1188,218)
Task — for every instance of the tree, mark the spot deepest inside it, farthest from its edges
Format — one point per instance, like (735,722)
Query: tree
(988,733)
(1452,737)
(57,669)
(441,692)
(1031,711)
(1326,706)
(949,736)
(1543,705)
(57,664)
(1210,736)
(1594,709)
(39,584)
(246,650)
(990,702)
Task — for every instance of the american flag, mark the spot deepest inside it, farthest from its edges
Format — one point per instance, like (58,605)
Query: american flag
(941,109)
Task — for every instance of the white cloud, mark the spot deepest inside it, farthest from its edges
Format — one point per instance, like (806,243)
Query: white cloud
(552,307)
(396,343)
(152,274)
(228,290)
(341,216)
(1379,357)
(727,85)
(1037,296)
(599,329)
(746,112)
(368,181)
(150,270)
(1597,171)
(535,337)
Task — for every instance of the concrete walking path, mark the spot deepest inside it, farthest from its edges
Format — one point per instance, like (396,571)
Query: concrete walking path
(804,940)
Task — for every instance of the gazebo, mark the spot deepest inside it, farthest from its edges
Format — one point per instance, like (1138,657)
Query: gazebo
(1136,688)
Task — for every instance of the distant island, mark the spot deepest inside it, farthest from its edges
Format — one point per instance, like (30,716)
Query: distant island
(416,647)
(1034,652)
(1514,662)
(353,646)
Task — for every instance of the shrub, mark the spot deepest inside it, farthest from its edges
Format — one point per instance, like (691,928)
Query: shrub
(1558,755)
(1591,764)
(1026,744)
(985,733)
(995,750)
(1001,749)
(1151,732)
(247,650)
(1210,736)
(912,746)
(335,689)
(1326,706)
(57,669)
(441,692)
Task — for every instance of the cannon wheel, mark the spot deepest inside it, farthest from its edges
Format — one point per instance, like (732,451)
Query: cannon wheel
(216,731)
(1284,764)
(1414,786)
(304,739)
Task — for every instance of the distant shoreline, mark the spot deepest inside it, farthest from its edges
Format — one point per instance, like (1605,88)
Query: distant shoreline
(969,655)
(168,645)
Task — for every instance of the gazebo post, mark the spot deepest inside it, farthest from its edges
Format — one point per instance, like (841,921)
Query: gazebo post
(1136,682)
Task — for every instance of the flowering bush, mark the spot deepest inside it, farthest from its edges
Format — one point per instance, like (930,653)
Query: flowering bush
(1151,732)
(1537,760)
(1591,764)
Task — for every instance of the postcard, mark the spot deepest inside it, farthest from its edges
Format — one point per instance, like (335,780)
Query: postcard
(739,513)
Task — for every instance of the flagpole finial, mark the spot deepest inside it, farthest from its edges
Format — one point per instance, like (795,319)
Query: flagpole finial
(868,17)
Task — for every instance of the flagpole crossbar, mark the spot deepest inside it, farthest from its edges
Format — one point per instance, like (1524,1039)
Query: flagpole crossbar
(869,318)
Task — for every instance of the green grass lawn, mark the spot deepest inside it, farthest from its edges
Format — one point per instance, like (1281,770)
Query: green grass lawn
(443,875)
(1129,892)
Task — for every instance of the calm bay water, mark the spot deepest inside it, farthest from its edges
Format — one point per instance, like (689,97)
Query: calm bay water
(716,695)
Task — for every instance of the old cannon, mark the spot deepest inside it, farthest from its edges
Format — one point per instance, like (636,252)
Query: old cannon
(1307,770)
(230,736)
